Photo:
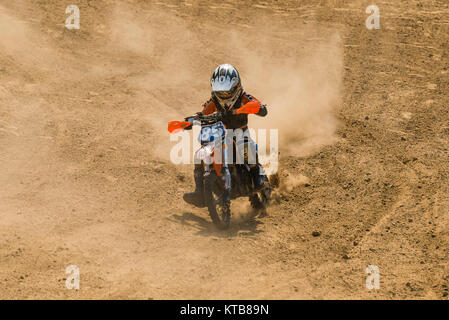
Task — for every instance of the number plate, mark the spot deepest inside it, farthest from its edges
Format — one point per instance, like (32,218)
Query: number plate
(212,132)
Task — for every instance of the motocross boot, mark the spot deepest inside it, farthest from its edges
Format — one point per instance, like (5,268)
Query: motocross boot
(257,174)
(196,198)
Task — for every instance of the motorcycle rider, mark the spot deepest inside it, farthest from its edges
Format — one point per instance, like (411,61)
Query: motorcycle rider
(227,96)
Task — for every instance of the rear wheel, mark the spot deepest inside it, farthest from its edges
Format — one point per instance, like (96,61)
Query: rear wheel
(214,194)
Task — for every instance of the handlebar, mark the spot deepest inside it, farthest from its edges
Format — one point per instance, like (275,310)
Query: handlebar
(205,119)
(176,126)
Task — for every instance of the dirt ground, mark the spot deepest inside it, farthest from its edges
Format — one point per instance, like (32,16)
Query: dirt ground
(363,118)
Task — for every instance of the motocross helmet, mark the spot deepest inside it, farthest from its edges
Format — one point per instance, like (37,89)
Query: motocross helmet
(226,85)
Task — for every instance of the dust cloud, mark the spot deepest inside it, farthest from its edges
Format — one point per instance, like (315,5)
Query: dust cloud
(298,76)
(302,92)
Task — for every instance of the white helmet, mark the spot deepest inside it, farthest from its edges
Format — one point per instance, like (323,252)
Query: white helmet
(226,85)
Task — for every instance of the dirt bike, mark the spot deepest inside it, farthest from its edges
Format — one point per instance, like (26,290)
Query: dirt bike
(217,190)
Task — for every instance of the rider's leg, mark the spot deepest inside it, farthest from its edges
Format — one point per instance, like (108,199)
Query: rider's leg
(252,159)
(197,197)
(257,176)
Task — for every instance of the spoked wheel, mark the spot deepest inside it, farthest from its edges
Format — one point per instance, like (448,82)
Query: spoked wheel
(219,208)
(260,199)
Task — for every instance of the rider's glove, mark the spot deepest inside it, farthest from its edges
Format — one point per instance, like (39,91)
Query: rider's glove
(262,111)
(220,116)
(189,119)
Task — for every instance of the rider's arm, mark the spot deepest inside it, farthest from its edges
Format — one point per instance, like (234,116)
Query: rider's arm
(263,108)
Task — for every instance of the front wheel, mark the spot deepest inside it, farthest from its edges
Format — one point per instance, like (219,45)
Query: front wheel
(218,204)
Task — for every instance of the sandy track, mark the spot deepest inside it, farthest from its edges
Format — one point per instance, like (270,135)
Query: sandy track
(84,170)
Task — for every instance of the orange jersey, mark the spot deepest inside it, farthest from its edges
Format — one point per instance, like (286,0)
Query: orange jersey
(234,121)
